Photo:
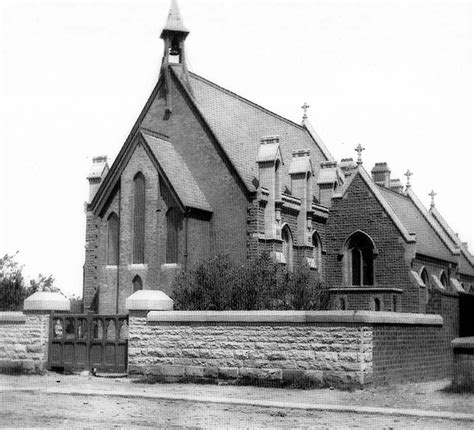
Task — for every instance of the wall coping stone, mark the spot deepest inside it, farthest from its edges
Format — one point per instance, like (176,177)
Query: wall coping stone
(463,342)
(12,317)
(369,290)
(46,301)
(149,300)
(360,317)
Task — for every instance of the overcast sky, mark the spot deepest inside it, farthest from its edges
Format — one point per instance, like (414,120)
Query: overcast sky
(395,76)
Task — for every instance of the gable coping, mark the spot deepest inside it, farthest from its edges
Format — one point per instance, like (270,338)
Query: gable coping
(409,237)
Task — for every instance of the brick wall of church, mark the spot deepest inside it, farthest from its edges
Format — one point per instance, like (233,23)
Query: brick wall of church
(360,210)
(90,263)
(193,141)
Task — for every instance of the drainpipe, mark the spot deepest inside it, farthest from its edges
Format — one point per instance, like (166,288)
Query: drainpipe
(186,214)
(118,252)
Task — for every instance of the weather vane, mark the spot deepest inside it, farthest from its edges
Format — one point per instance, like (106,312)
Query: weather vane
(359,150)
(305,107)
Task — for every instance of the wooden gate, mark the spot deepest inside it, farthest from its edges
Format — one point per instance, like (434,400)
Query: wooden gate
(88,341)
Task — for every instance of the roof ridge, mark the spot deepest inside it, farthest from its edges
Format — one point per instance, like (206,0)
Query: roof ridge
(249,102)
(382,187)
(436,214)
(439,231)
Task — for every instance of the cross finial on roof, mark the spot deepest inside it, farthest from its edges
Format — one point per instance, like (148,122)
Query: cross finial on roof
(305,107)
(432,195)
(408,174)
(359,148)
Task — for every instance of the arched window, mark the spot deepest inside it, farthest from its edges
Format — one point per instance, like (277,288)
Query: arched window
(444,279)
(360,257)
(173,224)
(317,251)
(424,277)
(112,239)
(376,304)
(139,218)
(287,238)
(137,283)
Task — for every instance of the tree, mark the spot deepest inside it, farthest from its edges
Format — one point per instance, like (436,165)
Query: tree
(43,283)
(12,287)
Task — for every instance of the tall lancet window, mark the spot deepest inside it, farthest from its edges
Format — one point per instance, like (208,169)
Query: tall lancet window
(360,253)
(173,221)
(139,218)
(287,247)
(112,239)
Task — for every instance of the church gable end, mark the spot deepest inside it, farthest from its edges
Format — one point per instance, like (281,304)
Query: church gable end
(359,211)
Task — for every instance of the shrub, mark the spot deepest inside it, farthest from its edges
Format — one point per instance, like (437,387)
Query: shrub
(260,283)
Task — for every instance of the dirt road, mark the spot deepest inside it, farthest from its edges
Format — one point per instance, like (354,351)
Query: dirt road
(36,409)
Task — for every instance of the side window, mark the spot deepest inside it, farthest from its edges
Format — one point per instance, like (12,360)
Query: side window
(139,218)
(360,260)
(137,283)
(287,238)
(112,239)
(173,222)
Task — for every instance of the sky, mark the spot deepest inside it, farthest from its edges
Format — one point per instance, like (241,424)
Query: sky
(395,76)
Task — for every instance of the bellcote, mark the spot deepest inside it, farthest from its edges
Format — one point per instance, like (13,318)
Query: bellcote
(174,34)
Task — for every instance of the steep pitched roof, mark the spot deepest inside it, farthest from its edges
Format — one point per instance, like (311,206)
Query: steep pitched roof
(238,125)
(466,262)
(177,173)
(408,235)
(430,239)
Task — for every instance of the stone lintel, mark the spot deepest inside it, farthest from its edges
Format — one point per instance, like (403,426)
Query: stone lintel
(149,300)
(46,301)
(463,342)
(299,317)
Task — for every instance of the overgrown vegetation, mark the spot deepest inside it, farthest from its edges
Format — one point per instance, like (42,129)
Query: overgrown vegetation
(259,284)
(14,290)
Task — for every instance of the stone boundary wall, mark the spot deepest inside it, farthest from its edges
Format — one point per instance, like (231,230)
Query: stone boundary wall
(315,348)
(463,349)
(23,342)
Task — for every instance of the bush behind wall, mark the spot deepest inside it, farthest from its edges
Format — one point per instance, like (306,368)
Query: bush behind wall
(259,284)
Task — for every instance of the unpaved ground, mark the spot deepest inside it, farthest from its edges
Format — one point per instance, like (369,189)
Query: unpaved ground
(27,409)
(62,401)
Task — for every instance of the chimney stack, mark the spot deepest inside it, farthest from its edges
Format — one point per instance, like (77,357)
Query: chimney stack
(97,172)
(381,174)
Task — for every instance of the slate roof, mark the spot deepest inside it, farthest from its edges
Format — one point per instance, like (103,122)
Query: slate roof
(428,241)
(238,125)
(466,261)
(177,173)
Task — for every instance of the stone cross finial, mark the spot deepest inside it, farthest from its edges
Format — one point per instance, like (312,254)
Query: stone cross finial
(305,107)
(408,174)
(359,150)
(432,195)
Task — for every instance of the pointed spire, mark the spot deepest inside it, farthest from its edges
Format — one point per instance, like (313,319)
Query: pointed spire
(174,21)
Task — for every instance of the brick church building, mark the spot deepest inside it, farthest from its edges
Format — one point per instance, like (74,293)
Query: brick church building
(206,172)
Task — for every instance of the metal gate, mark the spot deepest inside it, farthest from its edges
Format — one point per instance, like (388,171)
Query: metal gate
(88,341)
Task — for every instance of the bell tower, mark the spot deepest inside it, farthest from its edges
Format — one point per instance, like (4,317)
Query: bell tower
(174,34)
